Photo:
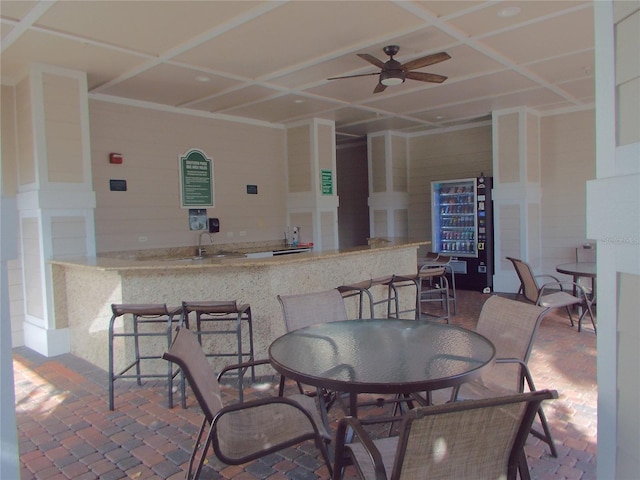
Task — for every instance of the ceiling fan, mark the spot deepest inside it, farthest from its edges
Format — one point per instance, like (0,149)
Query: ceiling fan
(394,73)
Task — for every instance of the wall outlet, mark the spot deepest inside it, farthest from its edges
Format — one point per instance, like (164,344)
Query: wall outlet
(230,234)
(243,233)
(142,239)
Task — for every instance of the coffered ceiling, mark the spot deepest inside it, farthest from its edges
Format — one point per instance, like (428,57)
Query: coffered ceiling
(268,61)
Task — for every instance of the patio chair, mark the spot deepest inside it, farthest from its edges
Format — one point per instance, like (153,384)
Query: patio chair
(540,295)
(511,326)
(306,309)
(245,431)
(434,260)
(586,253)
(461,440)
(303,310)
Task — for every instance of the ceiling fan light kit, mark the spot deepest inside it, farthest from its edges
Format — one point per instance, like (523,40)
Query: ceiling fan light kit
(391,78)
(393,72)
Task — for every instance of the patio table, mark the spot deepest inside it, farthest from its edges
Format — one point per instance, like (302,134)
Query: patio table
(381,356)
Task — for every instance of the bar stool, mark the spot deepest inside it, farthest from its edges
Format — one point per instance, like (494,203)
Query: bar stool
(142,316)
(362,289)
(435,260)
(223,311)
(431,285)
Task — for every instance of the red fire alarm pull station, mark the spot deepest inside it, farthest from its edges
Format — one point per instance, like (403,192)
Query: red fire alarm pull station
(115,158)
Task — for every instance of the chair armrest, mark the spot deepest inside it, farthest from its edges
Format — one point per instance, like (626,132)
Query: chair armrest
(238,366)
(526,374)
(253,451)
(575,285)
(341,460)
(555,279)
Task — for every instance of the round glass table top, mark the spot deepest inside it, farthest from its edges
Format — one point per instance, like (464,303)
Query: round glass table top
(583,269)
(381,356)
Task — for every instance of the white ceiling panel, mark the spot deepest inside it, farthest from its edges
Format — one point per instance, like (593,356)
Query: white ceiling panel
(282,109)
(485,86)
(270,60)
(231,99)
(565,67)
(279,34)
(134,25)
(101,64)
(170,85)
(495,16)
(540,40)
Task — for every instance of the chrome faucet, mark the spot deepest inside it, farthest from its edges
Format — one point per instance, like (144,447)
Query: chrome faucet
(202,250)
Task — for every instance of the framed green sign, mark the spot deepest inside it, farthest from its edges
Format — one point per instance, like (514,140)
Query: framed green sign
(196,180)
(326,179)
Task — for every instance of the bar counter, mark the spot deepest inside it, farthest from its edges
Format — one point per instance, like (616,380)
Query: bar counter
(85,288)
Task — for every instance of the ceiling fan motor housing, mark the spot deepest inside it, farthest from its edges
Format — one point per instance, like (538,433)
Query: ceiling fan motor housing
(392,73)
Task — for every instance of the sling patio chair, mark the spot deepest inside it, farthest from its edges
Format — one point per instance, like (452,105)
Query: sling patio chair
(462,440)
(305,309)
(245,431)
(547,296)
(511,326)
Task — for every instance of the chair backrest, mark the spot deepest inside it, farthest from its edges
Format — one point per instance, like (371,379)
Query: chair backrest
(470,439)
(307,309)
(530,288)
(586,253)
(188,354)
(511,326)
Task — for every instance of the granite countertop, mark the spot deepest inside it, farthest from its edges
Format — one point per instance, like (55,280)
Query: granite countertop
(174,262)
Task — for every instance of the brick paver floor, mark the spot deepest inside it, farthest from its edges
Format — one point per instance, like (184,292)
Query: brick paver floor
(66,430)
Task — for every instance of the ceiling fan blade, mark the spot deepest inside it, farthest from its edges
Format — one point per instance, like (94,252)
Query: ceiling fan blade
(371,59)
(426,77)
(426,61)
(379,88)
(353,76)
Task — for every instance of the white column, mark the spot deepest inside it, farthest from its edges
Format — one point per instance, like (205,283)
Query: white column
(516,194)
(9,460)
(55,195)
(312,195)
(388,185)
(613,220)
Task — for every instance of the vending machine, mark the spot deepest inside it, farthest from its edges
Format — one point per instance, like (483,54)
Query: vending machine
(462,228)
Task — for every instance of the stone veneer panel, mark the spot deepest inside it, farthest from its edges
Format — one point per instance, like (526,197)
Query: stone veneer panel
(90,290)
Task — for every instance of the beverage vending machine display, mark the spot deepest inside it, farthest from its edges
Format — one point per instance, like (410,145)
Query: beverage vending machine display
(462,228)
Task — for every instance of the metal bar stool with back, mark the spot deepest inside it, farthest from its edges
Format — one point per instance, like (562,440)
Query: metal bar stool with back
(220,313)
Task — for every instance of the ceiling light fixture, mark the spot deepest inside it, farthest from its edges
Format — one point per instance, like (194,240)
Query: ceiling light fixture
(389,78)
(509,11)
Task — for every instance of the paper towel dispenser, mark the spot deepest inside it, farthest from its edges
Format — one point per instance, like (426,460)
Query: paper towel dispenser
(214,225)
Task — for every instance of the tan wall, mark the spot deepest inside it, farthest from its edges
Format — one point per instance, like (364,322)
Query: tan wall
(444,156)
(151,142)
(567,162)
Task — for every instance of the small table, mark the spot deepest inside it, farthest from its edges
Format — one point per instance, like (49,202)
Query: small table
(383,356)
(580,269)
